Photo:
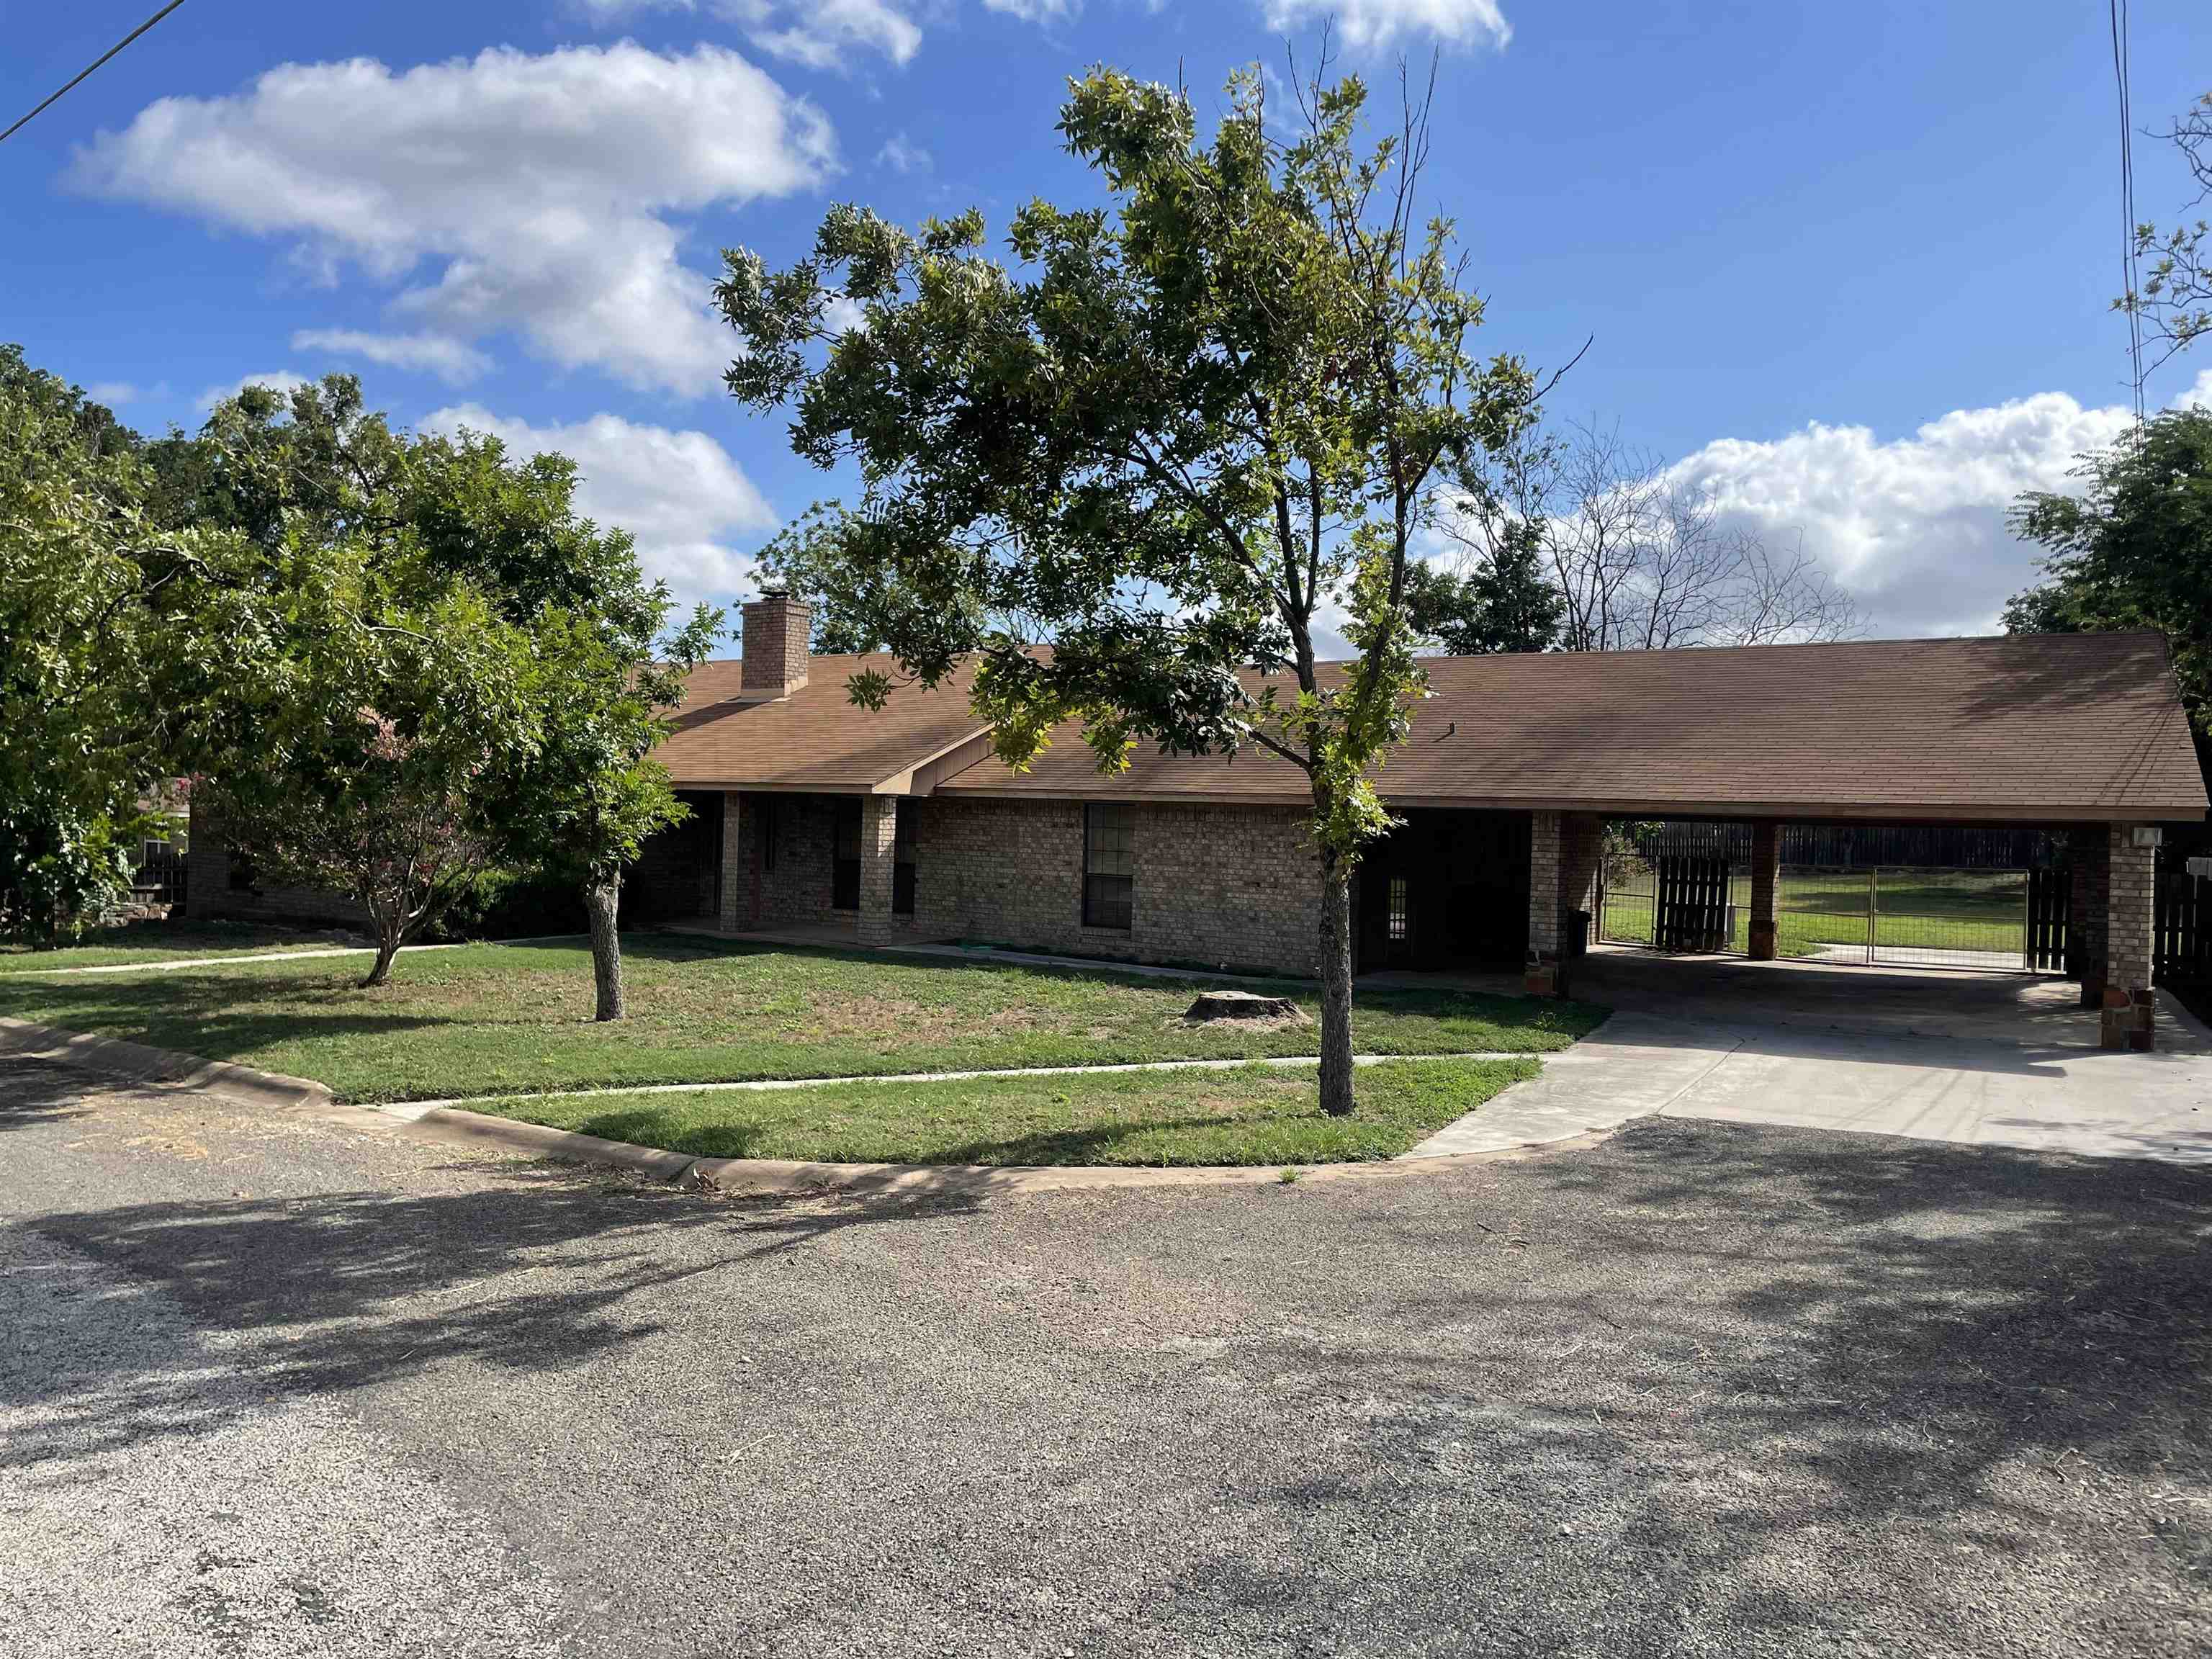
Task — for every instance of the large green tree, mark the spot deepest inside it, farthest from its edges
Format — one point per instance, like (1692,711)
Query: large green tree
(2132,548)
(73,756)
(455,592)
(1177,434)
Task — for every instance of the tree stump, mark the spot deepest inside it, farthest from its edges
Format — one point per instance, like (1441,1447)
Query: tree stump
(1242,1005)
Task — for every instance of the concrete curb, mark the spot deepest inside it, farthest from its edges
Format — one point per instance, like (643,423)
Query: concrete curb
(752,1177)
(143,1063)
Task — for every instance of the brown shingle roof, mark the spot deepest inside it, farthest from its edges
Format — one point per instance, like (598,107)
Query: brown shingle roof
(2045,727)
(816,737)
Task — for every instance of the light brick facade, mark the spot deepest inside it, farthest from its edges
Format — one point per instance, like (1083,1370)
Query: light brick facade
(878,838)
(1236,887)
(776,637)
(1545,839)
(2129,1009)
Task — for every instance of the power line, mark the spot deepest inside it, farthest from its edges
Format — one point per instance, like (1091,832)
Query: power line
(96,63)
(2131,269)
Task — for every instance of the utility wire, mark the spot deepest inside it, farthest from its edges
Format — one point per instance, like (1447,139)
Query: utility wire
(2130,269)
(102,58)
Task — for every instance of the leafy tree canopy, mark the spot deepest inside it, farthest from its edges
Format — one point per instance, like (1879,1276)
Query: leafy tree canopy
(73,755)
(2132,548)
(1172,434)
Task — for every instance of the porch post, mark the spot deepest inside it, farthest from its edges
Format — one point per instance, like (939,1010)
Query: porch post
(2089,871)
(1546,977)
(878,854)
(732,912)
(1766,878)
(2129,1009)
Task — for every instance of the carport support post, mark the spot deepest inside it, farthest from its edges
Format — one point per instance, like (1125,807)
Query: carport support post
(731,912)
(1554,843)
(1765,944)
(2129,1013)
(878,859)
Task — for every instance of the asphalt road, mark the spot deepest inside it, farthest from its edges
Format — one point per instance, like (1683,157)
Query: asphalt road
(274,1387)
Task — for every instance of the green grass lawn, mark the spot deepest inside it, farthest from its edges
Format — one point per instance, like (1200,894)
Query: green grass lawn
(1252,1114)
(491,1019)
(1923,909)
(163,941)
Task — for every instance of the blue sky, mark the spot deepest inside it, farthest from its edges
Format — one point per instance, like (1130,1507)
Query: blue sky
(1850,265)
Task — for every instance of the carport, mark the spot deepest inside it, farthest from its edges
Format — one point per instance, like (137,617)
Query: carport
(2082,736)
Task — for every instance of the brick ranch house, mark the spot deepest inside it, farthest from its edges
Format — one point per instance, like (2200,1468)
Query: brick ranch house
(809,813)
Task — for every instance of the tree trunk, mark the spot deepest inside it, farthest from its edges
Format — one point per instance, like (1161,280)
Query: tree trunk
(601,900)
(1336,986)
(387,946)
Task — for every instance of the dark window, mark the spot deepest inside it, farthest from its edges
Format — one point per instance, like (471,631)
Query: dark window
(845,863)
(1401,925)
(244,878)
(767,817)
(903,858)
(1110,866)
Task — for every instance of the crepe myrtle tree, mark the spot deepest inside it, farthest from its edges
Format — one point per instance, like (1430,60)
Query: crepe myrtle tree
(328,522)
(1177,436)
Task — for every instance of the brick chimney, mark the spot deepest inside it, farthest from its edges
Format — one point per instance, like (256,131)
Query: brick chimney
(773,645)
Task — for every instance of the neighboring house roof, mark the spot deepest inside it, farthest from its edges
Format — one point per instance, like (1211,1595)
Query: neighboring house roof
(2019,727)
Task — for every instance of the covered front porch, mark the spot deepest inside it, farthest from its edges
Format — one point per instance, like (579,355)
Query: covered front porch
(838,867)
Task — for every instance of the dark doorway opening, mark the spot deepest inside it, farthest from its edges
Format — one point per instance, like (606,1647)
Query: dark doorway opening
(1446,889)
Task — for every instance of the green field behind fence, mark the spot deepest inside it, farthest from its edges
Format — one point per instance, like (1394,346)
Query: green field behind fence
(1980,910)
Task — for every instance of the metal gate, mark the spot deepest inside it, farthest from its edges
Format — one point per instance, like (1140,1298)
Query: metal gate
(1901,917)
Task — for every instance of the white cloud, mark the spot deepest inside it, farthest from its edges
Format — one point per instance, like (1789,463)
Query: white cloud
(1914,528)
(822,34)
(1369,24)
(113,394)
(449,359)
(901,155)
(1035,11)
(678,492)
(536,188)
(818,34)
(282,381)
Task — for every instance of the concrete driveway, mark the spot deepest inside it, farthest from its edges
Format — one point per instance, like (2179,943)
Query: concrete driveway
(1979,1059)
(273,1388)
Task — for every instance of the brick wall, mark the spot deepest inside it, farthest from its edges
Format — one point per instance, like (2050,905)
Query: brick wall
(2129,1007)
(1546,849)
(1236,887)
(1582,850)
(774,644)
(209,893)
(797,891)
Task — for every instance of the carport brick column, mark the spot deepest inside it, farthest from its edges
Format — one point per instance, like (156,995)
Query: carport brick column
(1765,941)
(732,911)
(1545,977)
(2130,1008)
(878,861)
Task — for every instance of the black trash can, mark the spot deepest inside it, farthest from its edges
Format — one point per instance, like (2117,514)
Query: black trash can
(1578,934)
